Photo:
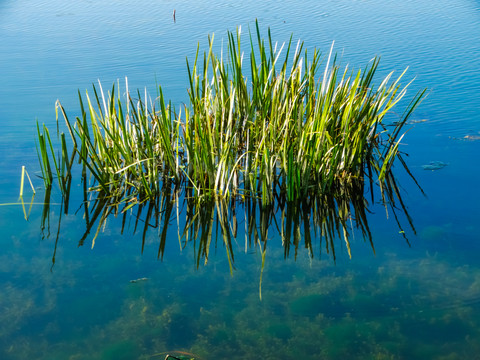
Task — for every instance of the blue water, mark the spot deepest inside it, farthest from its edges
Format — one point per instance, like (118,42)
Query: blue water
(404,302)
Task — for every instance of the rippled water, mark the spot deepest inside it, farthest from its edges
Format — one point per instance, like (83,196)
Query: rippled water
(404,302)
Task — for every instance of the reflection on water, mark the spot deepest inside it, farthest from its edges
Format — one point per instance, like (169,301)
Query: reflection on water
(220,222)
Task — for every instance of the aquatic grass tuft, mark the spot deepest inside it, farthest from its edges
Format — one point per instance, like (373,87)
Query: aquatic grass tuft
(286,131)
(292,131)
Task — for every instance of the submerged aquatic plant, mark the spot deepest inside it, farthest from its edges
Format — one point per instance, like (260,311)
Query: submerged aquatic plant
(288,136)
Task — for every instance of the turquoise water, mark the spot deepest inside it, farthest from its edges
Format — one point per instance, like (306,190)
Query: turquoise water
(405,301)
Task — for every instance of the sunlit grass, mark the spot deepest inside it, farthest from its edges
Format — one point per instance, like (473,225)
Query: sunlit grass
(295,126)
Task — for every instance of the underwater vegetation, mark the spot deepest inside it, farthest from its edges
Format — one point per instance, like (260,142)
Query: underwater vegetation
(310,310)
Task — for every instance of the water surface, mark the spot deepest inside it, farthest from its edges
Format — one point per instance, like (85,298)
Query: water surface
(403,301)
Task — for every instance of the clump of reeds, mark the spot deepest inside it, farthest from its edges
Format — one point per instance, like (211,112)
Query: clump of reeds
(296,126)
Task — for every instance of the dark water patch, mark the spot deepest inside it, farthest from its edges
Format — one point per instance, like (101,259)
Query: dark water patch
(122,350)
(435,330)
(180,330)
(280,331)
(220,336)
(367,307)
(340,304)
(315,304)
(193,290)
(352,336)
(81,314)
(276,304)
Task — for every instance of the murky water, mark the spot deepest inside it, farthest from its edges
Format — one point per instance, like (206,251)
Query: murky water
(405,301)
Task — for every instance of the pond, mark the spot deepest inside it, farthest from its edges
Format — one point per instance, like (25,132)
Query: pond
(406,295)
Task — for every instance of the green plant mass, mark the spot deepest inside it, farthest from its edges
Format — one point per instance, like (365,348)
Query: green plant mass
(294,127)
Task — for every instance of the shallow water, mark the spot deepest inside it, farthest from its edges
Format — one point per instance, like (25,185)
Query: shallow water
(405,301)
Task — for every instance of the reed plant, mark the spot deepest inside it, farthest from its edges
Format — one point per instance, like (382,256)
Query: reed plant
(294,126)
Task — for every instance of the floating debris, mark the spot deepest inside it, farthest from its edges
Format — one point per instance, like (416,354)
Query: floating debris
(472,137)
(434,165)
(139,279)
(417,121)
(178,355)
